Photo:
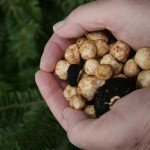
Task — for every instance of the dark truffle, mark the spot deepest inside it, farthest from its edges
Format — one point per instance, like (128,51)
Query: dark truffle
(73,74)
(113,87)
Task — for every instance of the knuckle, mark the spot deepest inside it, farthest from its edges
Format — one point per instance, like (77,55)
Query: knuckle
(75,13)
(75,139)
(71,138)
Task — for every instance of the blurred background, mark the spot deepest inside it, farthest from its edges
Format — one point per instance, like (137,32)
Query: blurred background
(26,123)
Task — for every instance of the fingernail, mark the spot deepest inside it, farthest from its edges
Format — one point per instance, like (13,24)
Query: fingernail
(58,25)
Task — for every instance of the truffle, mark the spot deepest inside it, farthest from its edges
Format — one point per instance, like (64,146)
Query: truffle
(73,74)
(114,87)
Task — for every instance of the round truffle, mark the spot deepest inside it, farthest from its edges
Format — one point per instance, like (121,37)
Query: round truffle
(97,35)
(72,54)
(109,59)
(104,71)
(61,69)
(102,48)
(142,58)
(90,111)
(120,50)
(131,69)
(77,102)
(120,76)
(143,79)
(88,50)
(80,41)
(73,74)
(113,87)
(69,91)
(90,66)
(88,86)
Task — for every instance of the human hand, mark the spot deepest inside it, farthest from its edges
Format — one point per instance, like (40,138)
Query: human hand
(127,124)
(128,20)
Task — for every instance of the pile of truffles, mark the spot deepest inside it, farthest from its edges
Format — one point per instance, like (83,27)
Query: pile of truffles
(100,71)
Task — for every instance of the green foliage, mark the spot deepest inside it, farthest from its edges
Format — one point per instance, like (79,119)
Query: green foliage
(26,122)
(67,5)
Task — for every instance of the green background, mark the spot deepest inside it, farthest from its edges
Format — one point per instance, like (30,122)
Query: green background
(26,123)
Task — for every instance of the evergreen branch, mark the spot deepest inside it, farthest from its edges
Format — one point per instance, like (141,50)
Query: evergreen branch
(19,106)
(8,140)
(22,28)
(41,131)
(13,105)
(14,10)
(26,122)
(67,5)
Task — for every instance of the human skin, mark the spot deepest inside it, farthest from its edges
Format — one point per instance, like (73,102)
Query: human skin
(127,125)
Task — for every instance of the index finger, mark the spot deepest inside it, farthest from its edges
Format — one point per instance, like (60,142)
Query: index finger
(53,51)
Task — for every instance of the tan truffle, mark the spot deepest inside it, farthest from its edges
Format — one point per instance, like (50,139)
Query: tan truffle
(104,71)
(80,41)
(69,91)
(131,69)
(83,74)
(110,45)
(88,86)
(61,69)
(90,111)
(109,59)
(90,66)
(143,79)
(120,76)
(72,54)
(98,35)
(120,50)
(102,48)
(142,58)
(77,102)
(88,50)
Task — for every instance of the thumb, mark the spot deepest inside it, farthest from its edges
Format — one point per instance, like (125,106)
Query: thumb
(88,17)
(73,117)
(117,16)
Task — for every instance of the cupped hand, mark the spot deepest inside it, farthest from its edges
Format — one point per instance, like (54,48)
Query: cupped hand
(128,20)
(127,125)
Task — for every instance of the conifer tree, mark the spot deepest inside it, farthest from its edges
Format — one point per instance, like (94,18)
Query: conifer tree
(26,122)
